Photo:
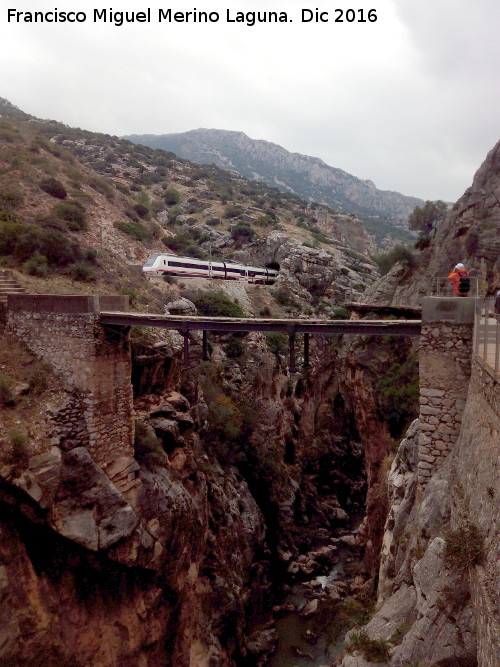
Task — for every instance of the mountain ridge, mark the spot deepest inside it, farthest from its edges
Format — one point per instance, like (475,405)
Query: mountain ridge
(383,211)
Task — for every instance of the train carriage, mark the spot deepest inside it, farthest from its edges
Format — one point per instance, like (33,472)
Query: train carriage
(189,267)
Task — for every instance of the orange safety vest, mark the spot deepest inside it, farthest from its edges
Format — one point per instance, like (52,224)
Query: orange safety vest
(455,277)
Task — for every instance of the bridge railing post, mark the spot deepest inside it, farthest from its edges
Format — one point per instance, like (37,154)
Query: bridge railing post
(306,350)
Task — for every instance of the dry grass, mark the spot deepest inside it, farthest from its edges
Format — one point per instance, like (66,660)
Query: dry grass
(34,388)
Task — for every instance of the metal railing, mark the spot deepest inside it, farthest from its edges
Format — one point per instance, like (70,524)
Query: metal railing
(487,335)
(443,287)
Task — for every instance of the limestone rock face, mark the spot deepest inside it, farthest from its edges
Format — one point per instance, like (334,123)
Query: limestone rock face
(88,509)
(469,233)
(313,270)
(453,614)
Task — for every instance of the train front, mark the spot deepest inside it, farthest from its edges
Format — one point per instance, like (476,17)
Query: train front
(151,265)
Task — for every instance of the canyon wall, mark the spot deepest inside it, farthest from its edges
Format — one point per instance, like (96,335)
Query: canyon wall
(439,578)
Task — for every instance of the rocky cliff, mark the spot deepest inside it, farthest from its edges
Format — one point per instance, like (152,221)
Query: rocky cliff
(243,477)
(469,233)
(438,584)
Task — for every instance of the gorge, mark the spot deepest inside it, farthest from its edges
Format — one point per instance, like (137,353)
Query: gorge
(158,513)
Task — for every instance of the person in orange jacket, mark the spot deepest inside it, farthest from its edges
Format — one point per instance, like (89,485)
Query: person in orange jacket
(460,279)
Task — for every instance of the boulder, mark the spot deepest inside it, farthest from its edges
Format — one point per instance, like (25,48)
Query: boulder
(88,509)
(309,609)
(180,306)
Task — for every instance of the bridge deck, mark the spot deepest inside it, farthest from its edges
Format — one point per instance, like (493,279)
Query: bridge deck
(286,326)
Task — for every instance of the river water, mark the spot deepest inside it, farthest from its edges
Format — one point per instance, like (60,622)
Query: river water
(292,627)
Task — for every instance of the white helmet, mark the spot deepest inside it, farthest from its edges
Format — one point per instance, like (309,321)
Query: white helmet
(459,267)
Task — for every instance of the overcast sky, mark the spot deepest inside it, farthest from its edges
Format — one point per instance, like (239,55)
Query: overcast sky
(411,101)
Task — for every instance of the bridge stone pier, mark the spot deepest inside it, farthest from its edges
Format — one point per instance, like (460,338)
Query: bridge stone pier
(93,363)
(446,346)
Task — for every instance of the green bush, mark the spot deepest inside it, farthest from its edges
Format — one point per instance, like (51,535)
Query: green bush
(399,394)
(184,243)
(374,650)
(82,271)
(171,197)
(234,349)
(58,249)
(141,210)
(54,188)
(217,304)
(174,212)
(276,342)
(36,265)
(232,211)
(37,380)
(284,297)
(11,198)
(464,547)
(340,314)
(399,253)
(89,255)
(424,218)
(102,185)
(242,232)
(73,213)
(134,229)
(122,187)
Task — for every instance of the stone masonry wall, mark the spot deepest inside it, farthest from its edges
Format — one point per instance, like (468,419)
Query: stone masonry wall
(445,362)
(476,469)
(93,362)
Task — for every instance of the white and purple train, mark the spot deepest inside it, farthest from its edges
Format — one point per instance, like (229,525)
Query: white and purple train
(189,267)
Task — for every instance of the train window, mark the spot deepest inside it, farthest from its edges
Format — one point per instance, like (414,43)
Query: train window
(151,260)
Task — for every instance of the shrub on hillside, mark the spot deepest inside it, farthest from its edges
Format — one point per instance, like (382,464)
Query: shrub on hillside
(73,213)
(399,253)
(234,349)
(82,271)
(171,197)
(57,248)
(141,210)
(36,265)
(11,198)
(276,342)
(340,314)
(464,547)
(399,394)
(185,243)
(242,232)
(21,449)
(374,650)
(217,304)
(54,188)
(232,211)
(134,229)
(174,212)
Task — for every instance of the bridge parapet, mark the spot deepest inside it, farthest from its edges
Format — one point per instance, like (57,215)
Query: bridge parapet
(93,363)
(446,345)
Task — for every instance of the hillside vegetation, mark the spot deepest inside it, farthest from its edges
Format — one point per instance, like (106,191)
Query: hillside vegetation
(383,212)
(81,210)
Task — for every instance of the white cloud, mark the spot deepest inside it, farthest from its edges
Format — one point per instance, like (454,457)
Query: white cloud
(410,101)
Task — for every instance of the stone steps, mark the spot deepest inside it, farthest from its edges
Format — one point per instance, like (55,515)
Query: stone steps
(8,285)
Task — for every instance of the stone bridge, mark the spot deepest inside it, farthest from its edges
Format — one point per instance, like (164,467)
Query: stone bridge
(86,341)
